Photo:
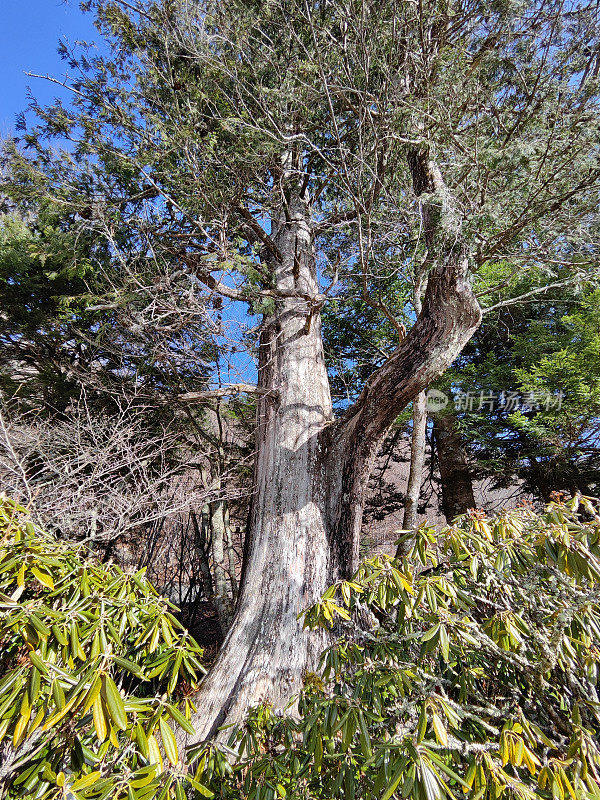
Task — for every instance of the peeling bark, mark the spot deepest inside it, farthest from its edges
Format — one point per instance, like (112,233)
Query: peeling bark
(288,558)
(311,472)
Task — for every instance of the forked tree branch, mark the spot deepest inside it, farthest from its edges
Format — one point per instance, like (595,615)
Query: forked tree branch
(450,316)
(259,233)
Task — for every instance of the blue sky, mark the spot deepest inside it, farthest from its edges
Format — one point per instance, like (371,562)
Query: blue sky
(29,34)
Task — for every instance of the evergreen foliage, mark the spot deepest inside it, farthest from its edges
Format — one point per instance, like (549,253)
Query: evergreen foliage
(541,364)
(478,679)
(468,668)
(45,276)
(93,670)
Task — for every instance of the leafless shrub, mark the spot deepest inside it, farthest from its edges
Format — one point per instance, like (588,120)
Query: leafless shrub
(97,477)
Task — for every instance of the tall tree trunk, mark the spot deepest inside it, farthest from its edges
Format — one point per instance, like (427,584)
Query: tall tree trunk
(231,557)
(311,472)
(417,441)
(221,599)
(288,558)
(417,461)
(202,547)
(455,473)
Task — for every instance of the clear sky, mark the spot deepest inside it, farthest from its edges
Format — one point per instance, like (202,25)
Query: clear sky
(29,34)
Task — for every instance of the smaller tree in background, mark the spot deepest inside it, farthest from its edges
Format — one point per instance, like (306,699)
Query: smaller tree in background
(540,362)
(97,422)
(44,274)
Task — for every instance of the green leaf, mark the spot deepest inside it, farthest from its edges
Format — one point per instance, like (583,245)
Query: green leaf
(37,662)
(169,741)
(114,702)
(395,780)
(99,719)
(444,643)
(127,665)
(200,788)
(43,577)
(180,719)
(87,780)
(433,631)
(439,729)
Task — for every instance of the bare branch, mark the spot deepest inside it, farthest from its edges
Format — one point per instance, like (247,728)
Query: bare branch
(226,391)
(522,298)
(259,232)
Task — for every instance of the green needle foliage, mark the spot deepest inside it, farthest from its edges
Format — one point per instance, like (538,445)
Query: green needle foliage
(96,674)
(547,353)
(476,677)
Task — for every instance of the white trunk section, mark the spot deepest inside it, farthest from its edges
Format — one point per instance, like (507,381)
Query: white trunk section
(417,461)
(288,562)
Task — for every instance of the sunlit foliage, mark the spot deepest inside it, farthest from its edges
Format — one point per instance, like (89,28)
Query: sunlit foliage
(476,678)
(96,673)
(469,668)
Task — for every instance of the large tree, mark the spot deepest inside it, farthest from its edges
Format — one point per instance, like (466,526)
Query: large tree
(278,153)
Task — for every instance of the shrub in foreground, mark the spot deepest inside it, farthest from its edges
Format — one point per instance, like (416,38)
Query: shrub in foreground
(478,677)
(469,668)
(96,674)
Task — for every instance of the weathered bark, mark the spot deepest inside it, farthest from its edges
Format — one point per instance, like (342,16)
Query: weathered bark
(311,473)
(417,442)
(288,559)
(453,462)
(221,599)
(449,318)
(417,462)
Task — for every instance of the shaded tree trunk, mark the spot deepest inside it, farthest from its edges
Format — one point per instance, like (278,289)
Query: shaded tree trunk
(231,556)
(202,549)
(417,443)
(455,474)
(417,462)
